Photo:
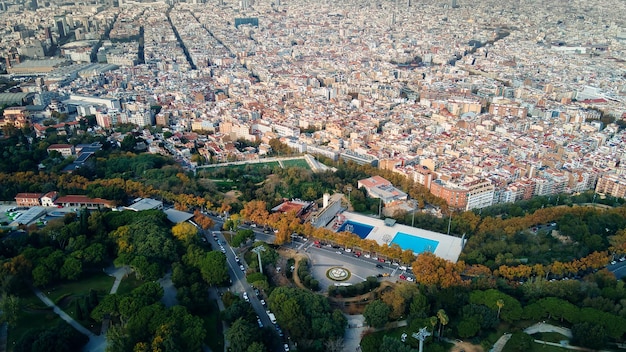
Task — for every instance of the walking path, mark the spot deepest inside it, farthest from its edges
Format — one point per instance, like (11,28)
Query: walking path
(499,345)
(543,327)
(97,343)
(215,294)
(169,291)
(119,274)
(76,325)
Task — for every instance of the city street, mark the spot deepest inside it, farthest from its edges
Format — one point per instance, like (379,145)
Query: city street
(239,284)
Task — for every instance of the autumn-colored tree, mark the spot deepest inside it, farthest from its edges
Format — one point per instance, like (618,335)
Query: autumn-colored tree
(256,211)
(618,242)
(184,231)
(399,299)
(432,270)
(202,220)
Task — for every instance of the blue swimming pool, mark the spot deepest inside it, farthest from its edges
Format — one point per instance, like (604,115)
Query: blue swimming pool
(415,243)
(356,228)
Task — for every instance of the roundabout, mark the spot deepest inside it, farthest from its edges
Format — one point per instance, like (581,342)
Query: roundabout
(338,274)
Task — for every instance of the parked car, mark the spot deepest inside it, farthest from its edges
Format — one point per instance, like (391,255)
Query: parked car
(366,256)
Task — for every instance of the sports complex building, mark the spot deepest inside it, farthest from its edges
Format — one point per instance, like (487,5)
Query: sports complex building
(407,237)
(387,231)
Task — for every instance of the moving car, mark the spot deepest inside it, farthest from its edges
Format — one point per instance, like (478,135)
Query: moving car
(245,297)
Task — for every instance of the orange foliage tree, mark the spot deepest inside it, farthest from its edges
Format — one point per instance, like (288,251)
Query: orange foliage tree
(434,271)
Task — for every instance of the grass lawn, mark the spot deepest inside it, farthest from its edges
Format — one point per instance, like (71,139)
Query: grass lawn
(549,336)
(99,281)
(34,315)
(66,295)
(213,325)
(225,186)
(128,284)
(296,163)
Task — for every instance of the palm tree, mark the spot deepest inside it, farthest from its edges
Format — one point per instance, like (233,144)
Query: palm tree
(433,322)
(443,320)
(500,304)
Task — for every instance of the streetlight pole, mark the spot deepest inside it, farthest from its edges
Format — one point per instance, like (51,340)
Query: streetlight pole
(258,251)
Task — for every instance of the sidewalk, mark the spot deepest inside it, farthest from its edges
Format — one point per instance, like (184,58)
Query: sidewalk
(96,343)
(215,294)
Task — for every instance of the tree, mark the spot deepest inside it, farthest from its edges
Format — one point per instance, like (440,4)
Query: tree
(443,321)
(10,307)
(213,268)
(241,334)
(500,304)
(334,345)
(71,269)
(590,335)
(256,347)
(399,299)
(393,344)
(376,314)
(433,322)
(432,270)
(129,143)
(184,231)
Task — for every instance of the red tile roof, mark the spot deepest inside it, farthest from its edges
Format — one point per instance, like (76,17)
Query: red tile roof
(28,195)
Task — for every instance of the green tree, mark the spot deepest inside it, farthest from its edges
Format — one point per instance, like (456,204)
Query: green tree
(256,347)
(10,307)
(71,269)
(393,344)
(213,268)
(241,334)
(590,335)
(443,321)
(376,314)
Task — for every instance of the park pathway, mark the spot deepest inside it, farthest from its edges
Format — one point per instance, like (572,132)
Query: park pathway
(499,345)
(543,327)
(119,274)
(58,311)
(96,343)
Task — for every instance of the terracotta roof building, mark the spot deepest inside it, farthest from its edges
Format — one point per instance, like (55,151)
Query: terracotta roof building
(27,199)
